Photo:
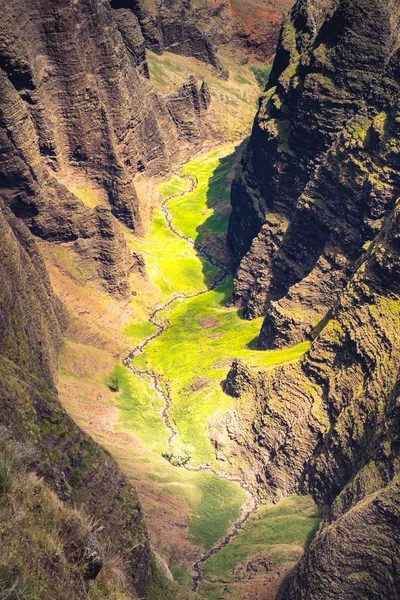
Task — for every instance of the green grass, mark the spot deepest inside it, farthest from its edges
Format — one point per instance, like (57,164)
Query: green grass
(262,75)
(205,210)
(139,409)
(139,331)
(88,196)
(195,352)
(215,503)
(173,266)
(182,575)
(283,530)
(215,511)
(176,185)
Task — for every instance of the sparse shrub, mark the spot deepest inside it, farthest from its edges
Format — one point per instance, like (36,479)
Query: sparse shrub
(6,474)
(178,455)
(113,383)
(13,588)
(262,75)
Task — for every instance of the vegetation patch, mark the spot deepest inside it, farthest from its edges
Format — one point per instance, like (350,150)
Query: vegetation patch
(262,75)
(44,541)
(284,529)
(234,101)
(192,356)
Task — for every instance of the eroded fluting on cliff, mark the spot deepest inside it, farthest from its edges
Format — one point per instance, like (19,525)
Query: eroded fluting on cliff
(319,193)
(321,169)
(72,465)
(329,425)
(79,121)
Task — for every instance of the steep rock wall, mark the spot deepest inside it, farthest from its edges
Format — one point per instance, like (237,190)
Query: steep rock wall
(251,28)
(328,425)
(77,469)
(321,169)
(77,115)
(315,228)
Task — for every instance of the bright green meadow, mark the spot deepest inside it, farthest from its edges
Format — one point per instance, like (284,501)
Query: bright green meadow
(194,355)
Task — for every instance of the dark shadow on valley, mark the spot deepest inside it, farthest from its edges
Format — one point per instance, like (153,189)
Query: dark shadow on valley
(212,233)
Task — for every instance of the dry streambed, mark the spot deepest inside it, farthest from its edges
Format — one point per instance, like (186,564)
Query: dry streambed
(163,390)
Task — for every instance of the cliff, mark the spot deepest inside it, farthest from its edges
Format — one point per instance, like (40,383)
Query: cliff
(251,28)
(79,121)
(315,229)
(320,171)
(70,463)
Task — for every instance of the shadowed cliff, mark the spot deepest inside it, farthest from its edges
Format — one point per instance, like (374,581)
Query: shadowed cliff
(315,229)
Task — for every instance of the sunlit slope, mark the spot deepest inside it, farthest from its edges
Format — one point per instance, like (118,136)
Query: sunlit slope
(203,336)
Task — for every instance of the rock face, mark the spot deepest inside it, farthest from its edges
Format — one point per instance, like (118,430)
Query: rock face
(320,172)
(316,230)
(78,115)
(167,25)
(328,426)
(181,35)
(77,469)
(251,28)
(187,107)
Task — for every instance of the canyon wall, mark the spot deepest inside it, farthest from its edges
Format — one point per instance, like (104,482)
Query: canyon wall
(250,28)
(79,121)
(72,465)
(315,231)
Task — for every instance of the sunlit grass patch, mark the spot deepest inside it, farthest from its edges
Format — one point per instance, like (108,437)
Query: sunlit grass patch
(140,410)
(282,529)
(206,209)
(88,195)
(139,331)
(176,185)
(215,502)
(172,264)
(188,353)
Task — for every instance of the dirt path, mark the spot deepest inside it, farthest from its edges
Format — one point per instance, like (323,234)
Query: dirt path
(163,389)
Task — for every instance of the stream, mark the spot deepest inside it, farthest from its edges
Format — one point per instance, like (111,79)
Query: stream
(163,390)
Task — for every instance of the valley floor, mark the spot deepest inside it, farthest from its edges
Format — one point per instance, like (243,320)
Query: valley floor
(189,508)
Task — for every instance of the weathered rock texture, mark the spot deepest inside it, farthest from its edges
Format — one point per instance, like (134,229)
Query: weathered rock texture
(316,228)
(250,28)
(77,469)
(187,107)
(76,112)
(320,173)
(171,25)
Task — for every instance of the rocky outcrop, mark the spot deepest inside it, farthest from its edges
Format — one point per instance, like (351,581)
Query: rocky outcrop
(76,115)
(181,34)
(328,425)
(131,31)
(316,228)
(170,26)
(188,106)
(320,173)
(251,29)
(77,469)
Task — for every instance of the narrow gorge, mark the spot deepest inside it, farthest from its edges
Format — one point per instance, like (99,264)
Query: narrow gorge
(199,299)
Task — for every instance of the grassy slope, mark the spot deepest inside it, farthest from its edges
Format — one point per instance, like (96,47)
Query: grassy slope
(194,354)
(282,529)
(234,101)
(43,539)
